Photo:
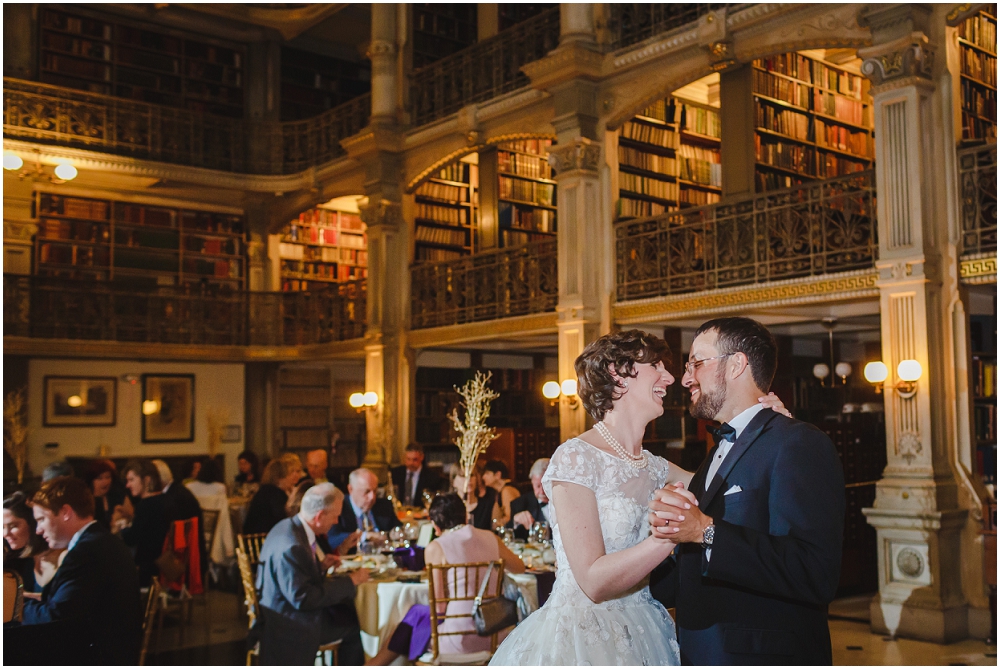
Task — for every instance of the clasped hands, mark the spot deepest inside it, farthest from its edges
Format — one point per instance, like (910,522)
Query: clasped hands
(674,515)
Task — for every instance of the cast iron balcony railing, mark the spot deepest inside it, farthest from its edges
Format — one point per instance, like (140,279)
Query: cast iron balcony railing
(487,286)
(46,308)
(483,71)
(633,22)
(818,228)
(68,117)
(977,168)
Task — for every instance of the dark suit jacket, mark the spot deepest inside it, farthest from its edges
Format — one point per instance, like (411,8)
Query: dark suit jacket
(181,505)
(267,507)
(147,533)
(526,502)
(427,480)
(385,520)
(296,597)
(775,564)
(96,590)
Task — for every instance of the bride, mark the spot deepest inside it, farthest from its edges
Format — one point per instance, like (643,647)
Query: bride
(600,611)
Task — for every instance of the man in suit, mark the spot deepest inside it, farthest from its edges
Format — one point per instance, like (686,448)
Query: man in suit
(317,462)
(95,592)
(301,608)
(760,529)
(362,508)
(533,506)
(411,478)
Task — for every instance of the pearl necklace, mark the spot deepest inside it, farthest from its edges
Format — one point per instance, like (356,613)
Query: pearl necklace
(638,461)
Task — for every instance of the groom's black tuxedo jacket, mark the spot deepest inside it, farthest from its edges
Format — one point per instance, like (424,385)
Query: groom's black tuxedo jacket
(762,597)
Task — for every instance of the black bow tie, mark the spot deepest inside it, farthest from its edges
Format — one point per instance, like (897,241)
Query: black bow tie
(724,431)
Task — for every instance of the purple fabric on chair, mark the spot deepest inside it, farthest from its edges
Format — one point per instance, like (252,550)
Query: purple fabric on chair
(410,558)
(413,634)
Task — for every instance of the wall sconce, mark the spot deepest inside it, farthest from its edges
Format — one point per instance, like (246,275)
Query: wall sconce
(552,391)
(362,401)
(63,171)
(908,371)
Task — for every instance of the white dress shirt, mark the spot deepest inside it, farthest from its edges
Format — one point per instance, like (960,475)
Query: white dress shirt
(411,494)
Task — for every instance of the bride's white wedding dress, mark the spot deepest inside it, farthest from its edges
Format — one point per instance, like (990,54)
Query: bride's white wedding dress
(570,629)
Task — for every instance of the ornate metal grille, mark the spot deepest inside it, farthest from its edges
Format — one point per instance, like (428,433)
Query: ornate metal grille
(317,140)
(482,71)
(60,309)
(977,168)
(487,286)
(819,228)
(633,22)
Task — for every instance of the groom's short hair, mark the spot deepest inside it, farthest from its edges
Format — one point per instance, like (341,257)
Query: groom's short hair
(745,335)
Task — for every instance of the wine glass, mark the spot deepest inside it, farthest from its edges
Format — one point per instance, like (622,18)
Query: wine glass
(428,498)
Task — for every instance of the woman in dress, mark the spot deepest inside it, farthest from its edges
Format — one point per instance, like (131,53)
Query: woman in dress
(26,553)
(267,508)
(102,476)
(147,529)
(482,503)
(496,476)
(600,611)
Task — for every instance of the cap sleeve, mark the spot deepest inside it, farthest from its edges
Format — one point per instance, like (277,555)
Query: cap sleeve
(659,470)
(573,462)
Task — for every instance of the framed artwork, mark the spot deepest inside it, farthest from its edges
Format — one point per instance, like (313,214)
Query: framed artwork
(80,401)
(231,434)
(167,407)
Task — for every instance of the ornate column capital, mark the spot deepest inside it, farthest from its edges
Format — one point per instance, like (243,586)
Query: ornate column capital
(579,155)
(906,58)
(381,213)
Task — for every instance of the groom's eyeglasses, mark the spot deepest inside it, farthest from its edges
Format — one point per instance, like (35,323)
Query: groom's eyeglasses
(692,365)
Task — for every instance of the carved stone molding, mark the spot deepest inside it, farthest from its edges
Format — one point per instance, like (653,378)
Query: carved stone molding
(906,57)
(572,61)
(23,231)
(381,48)
(581,154)
(978,270)
(722,56)
(517,326)
(382,213)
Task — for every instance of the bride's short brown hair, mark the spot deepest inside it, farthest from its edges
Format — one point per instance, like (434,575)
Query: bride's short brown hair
(597,388)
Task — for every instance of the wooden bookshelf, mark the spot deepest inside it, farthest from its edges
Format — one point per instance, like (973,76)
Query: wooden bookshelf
(322,247)
(668,158)
(813,121)
(446,214)
(98,240)
(89,53)
(526,193)
(983,377)
(304,408)
(440,30)
(977,45)
(311,83)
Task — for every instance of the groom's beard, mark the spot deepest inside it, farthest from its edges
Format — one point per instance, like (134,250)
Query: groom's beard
(709,404)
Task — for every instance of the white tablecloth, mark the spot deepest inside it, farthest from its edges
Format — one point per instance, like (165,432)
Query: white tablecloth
(221,551)
(381,606)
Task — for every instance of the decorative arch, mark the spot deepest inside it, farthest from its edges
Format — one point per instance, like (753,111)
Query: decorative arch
(461,153)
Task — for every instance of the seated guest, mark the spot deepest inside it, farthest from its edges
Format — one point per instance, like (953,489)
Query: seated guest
(497,476)
(102,477)
(146,530)
(482,502)
(267,507)
(181,505)
(56,469)
(190,471)
(209,480)
(317,462)
(249,468)
(96,588)
(530,507)
(301,607)
(26,553)
(411,479)
(364,512)
(457,543)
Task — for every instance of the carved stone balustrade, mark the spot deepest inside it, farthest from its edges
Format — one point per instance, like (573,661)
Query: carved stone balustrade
(818,228)
(487,286)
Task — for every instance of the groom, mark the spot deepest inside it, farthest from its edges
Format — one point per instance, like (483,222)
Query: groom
(758,559)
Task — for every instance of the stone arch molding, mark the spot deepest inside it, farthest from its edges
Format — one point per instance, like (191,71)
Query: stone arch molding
(466,150)
(756,32)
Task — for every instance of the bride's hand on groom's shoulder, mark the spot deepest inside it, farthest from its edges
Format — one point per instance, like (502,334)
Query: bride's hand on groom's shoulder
(674,515)
(773,402)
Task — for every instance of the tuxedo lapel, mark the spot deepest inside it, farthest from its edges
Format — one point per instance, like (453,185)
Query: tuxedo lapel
(698,480)
(742,445)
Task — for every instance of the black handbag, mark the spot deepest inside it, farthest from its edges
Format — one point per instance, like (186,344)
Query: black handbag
(495,614)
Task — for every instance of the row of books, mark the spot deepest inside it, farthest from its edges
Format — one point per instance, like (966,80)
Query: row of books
(838,137)
(526,166)
(83,231)
(309,234)
(662,110)
(323,254)
(73,66)
(626,207)
(519,237)
(455,172)
(984,378)
(440,191)
(793,157)
(976,128)
(442,235)
(193,222)
(642,132)
(830,166)
(330,218)
(986,463)
(845,83)
(701,171)
(784,121)
(146,238)
(981,31)
(646,161)
(978,65)
(427,254)
(228,246)
(140,215)
(76,207)
(439,214)
(779,88)
(527,191)
(774,181)
(230,269)
(74,24)
(74,255)
(330,272)
(846,109)
(542,220)
(701,121)
(985,417)
(789,64)
(76,46)
(537,146)
(697,198)
(980,101)
(664,190)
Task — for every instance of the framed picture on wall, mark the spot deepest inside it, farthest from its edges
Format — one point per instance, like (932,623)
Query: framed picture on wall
(79,401)
(167,407)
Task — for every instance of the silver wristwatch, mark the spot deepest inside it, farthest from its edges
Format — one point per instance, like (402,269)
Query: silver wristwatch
(708,536)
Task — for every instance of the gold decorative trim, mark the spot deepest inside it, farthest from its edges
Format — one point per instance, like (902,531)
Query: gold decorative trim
(978,270)
(532,324)
(466,150)
(808,290)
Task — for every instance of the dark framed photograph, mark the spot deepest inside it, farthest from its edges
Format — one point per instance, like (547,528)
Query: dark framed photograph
(80,401)
(167,407)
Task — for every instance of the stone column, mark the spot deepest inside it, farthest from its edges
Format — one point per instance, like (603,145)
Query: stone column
(917,514)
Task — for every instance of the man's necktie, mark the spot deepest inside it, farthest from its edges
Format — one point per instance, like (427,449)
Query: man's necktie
(408,497)
(723,432)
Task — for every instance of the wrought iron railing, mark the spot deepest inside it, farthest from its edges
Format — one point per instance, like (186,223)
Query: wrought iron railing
(45,308)
(68,117)
(633,22)
(482,71)
(497,284)
(818,228)
(977,168)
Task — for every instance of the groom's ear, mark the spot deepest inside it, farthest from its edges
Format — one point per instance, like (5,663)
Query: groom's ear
(739,365)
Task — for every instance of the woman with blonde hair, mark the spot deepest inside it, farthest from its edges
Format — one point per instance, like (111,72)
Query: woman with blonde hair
(269,505)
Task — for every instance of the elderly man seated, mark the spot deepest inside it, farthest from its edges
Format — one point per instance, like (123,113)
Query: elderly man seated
(363,512)
(302,608)
(532,507)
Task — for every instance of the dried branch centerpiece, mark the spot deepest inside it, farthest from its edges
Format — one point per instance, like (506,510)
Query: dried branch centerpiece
(474,435)
(15,430)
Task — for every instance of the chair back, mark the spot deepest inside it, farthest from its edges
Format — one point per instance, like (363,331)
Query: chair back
(183,571)
(249,588)
(449,583)
(251,545)
(211,519)
(149,619)
(13,597)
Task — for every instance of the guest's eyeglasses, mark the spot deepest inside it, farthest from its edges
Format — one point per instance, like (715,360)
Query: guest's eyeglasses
(692,365)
